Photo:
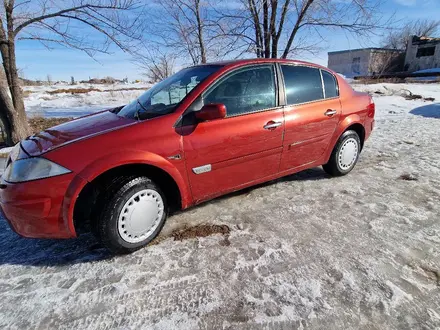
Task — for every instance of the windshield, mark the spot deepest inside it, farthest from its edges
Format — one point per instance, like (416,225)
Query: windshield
(163,97)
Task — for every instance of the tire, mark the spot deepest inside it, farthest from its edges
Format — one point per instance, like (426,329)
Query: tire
(344,155)
(131,214)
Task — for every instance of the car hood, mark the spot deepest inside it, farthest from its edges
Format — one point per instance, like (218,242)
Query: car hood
(72,131)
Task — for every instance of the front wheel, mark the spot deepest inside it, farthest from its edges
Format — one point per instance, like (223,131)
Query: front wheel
(344,155)
(132,214)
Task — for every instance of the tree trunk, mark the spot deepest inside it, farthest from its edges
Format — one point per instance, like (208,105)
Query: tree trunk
(5,106)
(257,28)
(13,114)
(4,49)
(200,33)
(277,34)
(274,48)
(266,29)
(273,29)
(15,125)
(298,23)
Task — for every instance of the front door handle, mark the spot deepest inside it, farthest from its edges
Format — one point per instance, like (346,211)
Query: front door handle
(272,125)
(330,112)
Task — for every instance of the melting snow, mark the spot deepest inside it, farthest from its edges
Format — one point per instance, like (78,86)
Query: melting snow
(359,251)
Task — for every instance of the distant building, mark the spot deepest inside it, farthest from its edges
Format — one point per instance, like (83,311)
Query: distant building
(365,61)
(422,53)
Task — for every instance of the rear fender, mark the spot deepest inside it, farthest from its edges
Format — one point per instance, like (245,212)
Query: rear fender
(342,127)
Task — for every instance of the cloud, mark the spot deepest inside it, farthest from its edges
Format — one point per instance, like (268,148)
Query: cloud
(407,3)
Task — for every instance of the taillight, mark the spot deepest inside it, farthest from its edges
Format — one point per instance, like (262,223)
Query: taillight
(371,109)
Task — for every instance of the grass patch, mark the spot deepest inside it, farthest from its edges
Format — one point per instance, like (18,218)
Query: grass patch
(412,96)
(87,90)
(125,89)
(27,93)
(73,90)
(39,124)
(408,177)
(369,81)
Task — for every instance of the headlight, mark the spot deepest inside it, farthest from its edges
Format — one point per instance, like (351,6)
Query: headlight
(31,169)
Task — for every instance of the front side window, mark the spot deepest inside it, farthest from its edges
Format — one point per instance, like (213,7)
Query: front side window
(164,97)
(244,91)
(330,85)
(303,84)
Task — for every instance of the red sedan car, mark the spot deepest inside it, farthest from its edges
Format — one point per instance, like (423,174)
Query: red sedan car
(203,132)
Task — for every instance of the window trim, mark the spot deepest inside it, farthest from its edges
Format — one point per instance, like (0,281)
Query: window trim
(249,66)
(284,83)
(281,86)
(322,84)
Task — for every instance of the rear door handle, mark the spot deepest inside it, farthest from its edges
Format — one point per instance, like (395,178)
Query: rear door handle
(330,112)
(272,125)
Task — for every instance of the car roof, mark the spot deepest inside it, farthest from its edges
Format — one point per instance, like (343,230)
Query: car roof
(263,60)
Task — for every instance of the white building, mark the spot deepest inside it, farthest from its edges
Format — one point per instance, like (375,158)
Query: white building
(365,61)
(422,53)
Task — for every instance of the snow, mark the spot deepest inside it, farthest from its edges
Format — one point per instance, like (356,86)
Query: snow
(40,102)
(349,80)
(428,78)
(313,252)
(433,70)
(4,152)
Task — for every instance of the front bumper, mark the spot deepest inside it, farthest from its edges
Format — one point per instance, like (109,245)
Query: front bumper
(35,208)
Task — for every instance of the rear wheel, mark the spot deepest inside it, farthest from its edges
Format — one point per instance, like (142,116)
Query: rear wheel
(132,213)
(344,155)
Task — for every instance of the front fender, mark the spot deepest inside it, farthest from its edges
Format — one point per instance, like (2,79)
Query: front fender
(121,158)
(108,162)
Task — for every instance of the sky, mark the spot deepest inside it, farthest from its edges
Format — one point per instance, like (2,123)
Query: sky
(37,62)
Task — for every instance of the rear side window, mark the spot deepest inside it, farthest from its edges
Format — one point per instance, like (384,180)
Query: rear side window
(303,84)
(330,85)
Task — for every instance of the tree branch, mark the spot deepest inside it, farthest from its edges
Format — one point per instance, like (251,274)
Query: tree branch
(295,29)
(59,13)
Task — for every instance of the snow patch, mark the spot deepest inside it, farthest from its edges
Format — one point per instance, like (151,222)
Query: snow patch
(315,252)
(398,295)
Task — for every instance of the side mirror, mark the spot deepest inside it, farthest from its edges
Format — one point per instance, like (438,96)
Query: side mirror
(211,111)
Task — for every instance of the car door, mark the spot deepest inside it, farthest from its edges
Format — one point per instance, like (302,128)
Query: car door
(225,154)
(312,114)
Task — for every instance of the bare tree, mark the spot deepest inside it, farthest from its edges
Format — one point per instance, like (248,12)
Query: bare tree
(56,22)
(157,65)
(383,62)
(186,29)
(399,38)
(278,28)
